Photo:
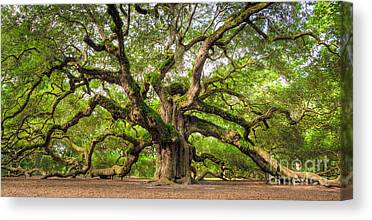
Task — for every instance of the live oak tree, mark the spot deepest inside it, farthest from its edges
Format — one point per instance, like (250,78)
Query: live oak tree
(77,80)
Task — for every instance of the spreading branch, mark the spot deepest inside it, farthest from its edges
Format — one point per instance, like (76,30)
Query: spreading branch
(19,56)
(211,40)
(258,154)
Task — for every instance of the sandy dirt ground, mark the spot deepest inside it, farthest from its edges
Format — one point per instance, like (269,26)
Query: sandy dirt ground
(142,189)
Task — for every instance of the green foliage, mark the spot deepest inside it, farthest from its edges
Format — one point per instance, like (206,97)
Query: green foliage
(144,167)
(297,75)
(153,78)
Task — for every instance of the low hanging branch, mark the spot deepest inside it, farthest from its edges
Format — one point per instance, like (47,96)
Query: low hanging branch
(206,156)
(108,104)
(204,107)
(257,153)
(19,171)
(121,171)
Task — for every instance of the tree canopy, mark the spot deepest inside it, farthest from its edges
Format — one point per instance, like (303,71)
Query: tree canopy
(171,91)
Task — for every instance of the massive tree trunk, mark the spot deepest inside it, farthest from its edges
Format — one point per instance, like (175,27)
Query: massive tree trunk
(173,163)
(174,157)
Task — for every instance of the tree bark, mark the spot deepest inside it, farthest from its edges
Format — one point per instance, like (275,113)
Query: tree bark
(173,163)
(173,157)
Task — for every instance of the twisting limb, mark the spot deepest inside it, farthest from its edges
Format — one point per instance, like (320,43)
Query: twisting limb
(128,83)
(109,105)
(19,171)
(104,75)
(293,37)
(49,115)
(222,43)
(189,23)
(257,153)
(48,73)
(263,117)
(222,90)
(140,10)
(258,30)
(74,22)
(206,156)
(211,40)
(93,45)
(307,33)
(121,171)
(19,56)
(65,127)
(76,172)
(204,107)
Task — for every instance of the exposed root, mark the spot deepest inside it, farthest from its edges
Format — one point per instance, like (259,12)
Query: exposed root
(187,180)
